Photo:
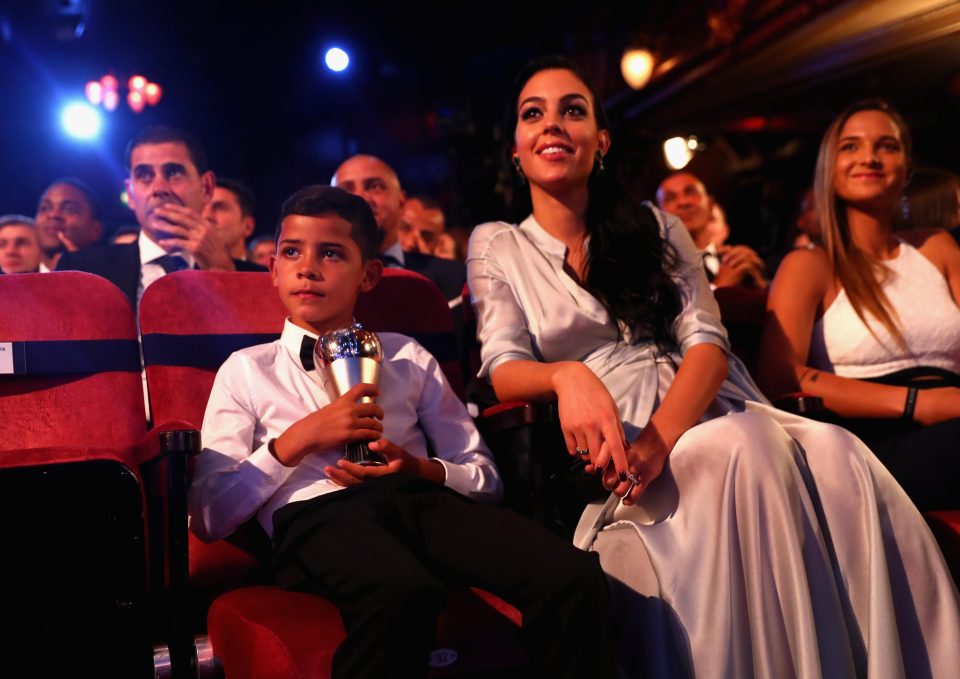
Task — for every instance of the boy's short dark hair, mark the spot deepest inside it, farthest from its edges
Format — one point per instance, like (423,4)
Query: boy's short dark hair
(165,134)
(245,198)
(320,199)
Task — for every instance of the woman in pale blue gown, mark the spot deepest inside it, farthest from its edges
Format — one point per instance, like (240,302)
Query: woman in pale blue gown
(741,540)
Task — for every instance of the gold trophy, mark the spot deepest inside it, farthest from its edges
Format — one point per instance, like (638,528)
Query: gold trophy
(345,358)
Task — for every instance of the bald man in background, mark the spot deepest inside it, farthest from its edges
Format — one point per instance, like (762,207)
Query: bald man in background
(684,195)
(377,183)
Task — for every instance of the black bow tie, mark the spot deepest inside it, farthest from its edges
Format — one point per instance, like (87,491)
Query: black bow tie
(306,352)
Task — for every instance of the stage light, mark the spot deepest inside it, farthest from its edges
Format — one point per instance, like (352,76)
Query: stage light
(136,101)
(336,59)
(677,152)
(636,67)
(110,100)
(109,83)
(94,92)
(152,93)
(137,83)
(80,121)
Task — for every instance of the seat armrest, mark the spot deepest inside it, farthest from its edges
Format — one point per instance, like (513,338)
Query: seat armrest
(512,414)
(165,454)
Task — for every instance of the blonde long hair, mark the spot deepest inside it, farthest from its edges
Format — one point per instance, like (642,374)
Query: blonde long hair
(860,275)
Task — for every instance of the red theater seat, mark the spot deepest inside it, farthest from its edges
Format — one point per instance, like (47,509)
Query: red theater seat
(82,575)
(190,322)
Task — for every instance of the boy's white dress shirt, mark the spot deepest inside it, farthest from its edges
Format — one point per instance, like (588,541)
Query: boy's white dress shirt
(261,391)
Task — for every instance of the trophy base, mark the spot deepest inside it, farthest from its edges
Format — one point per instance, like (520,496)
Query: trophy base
(359,452)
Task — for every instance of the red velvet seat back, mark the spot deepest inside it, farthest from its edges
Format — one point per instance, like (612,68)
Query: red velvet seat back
(96,410)
(408,303)
(208,303)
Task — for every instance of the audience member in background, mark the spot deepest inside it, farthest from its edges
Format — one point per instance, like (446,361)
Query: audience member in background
(377,183)
(19,246)
(809,234)
(446,247)
(741,540)
(128,233)
(231,212)
(870,321)
(718,228)
(260,249)
(685,196)
(933,200)
(69,218)
(422,225)
(168,184)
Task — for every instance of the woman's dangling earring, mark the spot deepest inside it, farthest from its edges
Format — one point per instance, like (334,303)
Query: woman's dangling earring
(599,163)
(516,166)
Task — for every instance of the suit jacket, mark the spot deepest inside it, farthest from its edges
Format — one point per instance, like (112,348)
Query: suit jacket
(448,275)
(120,264)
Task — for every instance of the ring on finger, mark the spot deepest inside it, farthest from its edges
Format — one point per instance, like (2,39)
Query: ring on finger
(583,452)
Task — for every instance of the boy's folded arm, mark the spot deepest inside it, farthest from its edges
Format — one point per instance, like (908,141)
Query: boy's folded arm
(232,479)
(466,460)
(226,492)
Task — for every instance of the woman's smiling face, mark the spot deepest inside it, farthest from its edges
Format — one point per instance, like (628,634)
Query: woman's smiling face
(871,163)
(556,137)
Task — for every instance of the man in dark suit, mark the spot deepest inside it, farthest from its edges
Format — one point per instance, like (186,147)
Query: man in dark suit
(377,183)
(168,185)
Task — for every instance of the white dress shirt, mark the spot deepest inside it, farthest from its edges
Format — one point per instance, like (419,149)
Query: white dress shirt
(396,252)
(261,391)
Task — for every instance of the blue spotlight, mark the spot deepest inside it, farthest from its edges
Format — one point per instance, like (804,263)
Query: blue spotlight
(336,59)
(80,121)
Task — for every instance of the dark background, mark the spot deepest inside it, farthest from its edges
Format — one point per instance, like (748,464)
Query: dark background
(756,80)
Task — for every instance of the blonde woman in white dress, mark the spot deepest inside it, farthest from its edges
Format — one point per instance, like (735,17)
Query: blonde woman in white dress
(870,322)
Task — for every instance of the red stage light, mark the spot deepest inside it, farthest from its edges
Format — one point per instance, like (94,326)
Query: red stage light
(94,92)
(152,93)
(137,83)
(109,83)
(136,101)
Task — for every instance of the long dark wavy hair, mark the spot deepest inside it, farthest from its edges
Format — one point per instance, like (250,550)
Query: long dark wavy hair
(628,262)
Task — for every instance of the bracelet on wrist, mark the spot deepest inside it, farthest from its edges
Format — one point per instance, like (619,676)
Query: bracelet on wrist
(910,404)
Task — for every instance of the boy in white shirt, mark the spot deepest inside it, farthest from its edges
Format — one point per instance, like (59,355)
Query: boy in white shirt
(381,542)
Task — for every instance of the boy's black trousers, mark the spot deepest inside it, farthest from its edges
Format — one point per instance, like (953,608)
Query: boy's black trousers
(384,551)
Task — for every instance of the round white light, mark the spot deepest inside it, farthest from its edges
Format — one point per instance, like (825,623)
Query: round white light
(677,153)
(336,59)
(636,67)
(80,121)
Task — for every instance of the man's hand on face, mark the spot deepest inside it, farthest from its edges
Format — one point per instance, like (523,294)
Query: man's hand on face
(188,231)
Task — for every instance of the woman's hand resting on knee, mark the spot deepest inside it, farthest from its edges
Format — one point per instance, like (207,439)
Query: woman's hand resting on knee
(589,418)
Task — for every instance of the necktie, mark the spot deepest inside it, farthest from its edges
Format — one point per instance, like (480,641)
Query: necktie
(171,263)
(306,352)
